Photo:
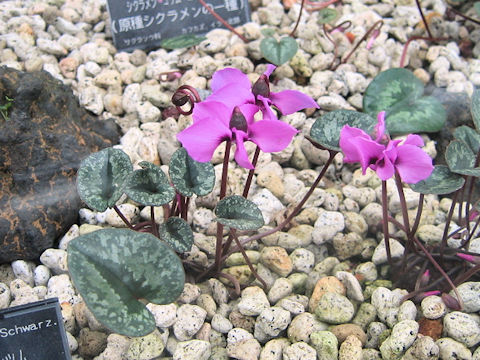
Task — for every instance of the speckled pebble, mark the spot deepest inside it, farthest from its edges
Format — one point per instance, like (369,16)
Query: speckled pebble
(273,320)
(248,349)
(350,349)
(221,324)
(145,347)
(354,289)
(55,260)
(281,288)
(190,319)
(402,337)
(24,270)
(253,301)
(4,296)
(299,351)
(302,326)
(424,348)
(334,308)
(165,315)
(470,293)
(462,327)
(451,349)
(326,345)
(192,350)
(433,307)
(302,260)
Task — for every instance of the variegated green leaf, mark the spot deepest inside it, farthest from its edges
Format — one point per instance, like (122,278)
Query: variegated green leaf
(441,181)
(326,129)
(149,186)
(182,41)
(113,268)
(461,159)
(390,87)
(177,233)
(239,213)
(101,176)
(398,92)
(189,176)
(425,114)
(468,136)
(475,108)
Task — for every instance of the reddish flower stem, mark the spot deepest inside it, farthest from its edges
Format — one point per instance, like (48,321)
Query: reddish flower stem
(219,18)
(124,219)
(386,234)
(292,34)
(154,224)
(405,47)
(456,12)
(425,23)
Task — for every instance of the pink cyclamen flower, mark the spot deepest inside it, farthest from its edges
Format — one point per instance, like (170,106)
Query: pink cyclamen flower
(386,156)
(217,122)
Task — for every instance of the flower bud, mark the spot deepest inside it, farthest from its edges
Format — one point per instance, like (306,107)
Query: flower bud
(451,302)
(180,98)
(261,87)
(238,121)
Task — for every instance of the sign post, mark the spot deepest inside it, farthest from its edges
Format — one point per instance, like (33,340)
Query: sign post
(146,23)
(33,331)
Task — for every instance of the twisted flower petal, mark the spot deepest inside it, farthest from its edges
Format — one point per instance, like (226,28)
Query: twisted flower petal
(271,135)
(412,163)
(358,146)
(290,101)
(241,156)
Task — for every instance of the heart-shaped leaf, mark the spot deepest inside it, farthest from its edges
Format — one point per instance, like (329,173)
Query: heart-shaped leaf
(177,233)
(267,32)
(189,176)
(326,15)
(441,181)
(468,136)
(278,52)
(461,159)
(239,213)
(475,108)
(114,268)
(425,114)
(326,129)
(398,92)
(149,186)
(101,177)
(182,41)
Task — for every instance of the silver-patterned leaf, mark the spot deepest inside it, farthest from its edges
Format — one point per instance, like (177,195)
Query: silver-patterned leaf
(468,136)
(461,159)
(101,176)
(113,268)
(475,108)
(441,181)
(149,186)
(239,213)
(177,233)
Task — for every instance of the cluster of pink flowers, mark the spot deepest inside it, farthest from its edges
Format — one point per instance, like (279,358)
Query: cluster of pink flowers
(228,115)
(386,156)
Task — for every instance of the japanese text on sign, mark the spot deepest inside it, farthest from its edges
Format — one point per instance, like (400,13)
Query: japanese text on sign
(145,23)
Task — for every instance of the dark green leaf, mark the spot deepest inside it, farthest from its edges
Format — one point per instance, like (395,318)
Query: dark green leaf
(441,181)
(475,108)
(177,233)
(182,41)
(468,136)
(189,176)
(390,87)
(461,159)
(113,268)
(278,52)
(101,177)
(239,213)
(149,186)
(326,129)
(327,15)
(398,92)
(425,114)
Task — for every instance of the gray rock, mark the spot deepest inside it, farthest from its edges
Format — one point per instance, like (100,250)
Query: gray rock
(273,350)
(303,260)
(221,324)
(248,349)
(190,319)
(451,349)
(55,260)
(253,301)
(281,287)
(327,225)
(302,326)
(24,270)
(273,320)
(374,330)
(299,351)
(192,350)
(354,289)
(268,204)
(380,253)
(462,327)
(165,315)
(60,286)
(402,337)
(91,98)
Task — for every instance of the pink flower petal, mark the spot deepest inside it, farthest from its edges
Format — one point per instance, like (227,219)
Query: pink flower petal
(290,101)
(270,69)
(271,135)
(413,139)
(358,146)
(229,76)
(249,111)
(241,156)
(413,164)
(380,127)
(202,138)
(212,110)
(267,111)
(232,95)
(384,168)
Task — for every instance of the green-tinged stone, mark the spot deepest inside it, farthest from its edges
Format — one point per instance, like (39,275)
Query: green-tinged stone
(334,308)
(241,272)
(325,343)
(366,313)
(145,347)
(238,259)
(299,280)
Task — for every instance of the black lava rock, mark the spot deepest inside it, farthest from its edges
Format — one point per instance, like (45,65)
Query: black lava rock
(42,142)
